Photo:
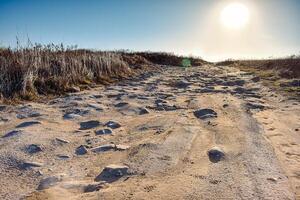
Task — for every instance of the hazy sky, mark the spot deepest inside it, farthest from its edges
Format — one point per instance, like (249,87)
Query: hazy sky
(179,26)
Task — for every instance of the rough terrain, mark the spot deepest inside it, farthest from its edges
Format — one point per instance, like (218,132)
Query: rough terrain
(202,133)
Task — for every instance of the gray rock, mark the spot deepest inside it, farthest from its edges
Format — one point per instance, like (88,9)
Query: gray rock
(240,82)
(143,111)
(69,112)
(182,84)
(235,82)
(113,125)
(162,96)
(143,97)
(34,148)
(62,156)
(76,98)
(240,90)
(162,105)
(97,96)
(39,173)
(81,150)
(121,104)
(255,106)
(88,141)
(28,115)
(206,90)
(48,182)
(62,140)
(132,96)
(112,173)
(273,179)
(102,148)
(27,124)
(160,102)
(108,147)
(28,165)
(205,113)
(121,147)
(71,116)
(117,96)
(225,105)
(95,106)
(93,187)
(216,154)
(27,112)
(89,124)
(12,133)
(105,131)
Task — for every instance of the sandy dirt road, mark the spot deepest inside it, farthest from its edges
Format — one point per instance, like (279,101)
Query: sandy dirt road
(150,137)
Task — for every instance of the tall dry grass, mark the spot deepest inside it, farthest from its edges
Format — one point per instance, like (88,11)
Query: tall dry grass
(288,67)
(43,69)
(27,72)
(284,67)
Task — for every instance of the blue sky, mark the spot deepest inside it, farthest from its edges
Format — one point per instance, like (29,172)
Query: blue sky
(179,26)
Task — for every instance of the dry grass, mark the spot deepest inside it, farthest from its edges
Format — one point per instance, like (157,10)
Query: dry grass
(169,59)
(285,68)
(28,72)
(280,74)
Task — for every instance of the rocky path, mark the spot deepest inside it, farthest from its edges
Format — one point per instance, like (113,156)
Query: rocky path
(203,133)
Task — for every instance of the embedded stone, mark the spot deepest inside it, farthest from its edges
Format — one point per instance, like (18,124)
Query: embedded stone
(27,124)
(112,173)
(205,113)
(12,133)
(105,131)
(216,154)
(28,164)
(102,148)
(89,124)
(121,147)
(113,125)
(81,150)
(49,182)
(33,148)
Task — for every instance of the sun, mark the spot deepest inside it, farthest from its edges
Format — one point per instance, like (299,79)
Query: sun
(235,16)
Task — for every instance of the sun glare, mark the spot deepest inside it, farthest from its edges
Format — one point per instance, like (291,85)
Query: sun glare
(235,15)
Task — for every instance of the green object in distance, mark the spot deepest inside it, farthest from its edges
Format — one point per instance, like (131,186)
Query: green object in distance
(186,62)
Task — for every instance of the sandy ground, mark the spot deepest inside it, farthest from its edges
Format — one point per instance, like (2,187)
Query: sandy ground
(162,125)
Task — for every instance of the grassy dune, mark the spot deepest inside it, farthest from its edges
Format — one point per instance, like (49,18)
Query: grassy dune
(27,73)
(282,68)
(281,74)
